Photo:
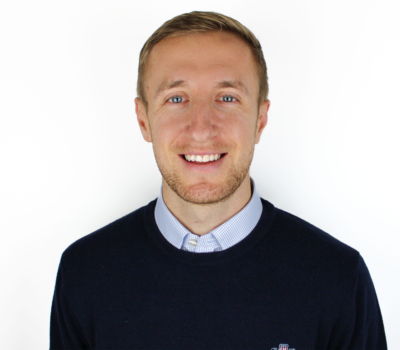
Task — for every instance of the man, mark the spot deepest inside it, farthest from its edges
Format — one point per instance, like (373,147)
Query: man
(210,264)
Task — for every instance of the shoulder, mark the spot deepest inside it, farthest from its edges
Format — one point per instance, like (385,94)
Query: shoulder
(311,251)
(309,237)
(116,239)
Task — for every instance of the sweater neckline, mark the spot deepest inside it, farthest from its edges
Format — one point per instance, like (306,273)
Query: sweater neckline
(212,258)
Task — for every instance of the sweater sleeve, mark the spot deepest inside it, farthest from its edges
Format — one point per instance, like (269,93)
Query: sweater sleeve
(361,325)
(64,330)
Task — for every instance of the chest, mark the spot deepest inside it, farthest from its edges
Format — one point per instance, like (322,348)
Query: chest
(205,308)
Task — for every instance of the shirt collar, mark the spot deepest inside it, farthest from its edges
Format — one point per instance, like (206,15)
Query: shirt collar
(227,234)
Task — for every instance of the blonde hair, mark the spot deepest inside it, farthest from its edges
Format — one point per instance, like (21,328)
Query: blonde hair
(201,22)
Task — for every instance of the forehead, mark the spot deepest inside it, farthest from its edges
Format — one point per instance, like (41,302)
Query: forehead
(201,58)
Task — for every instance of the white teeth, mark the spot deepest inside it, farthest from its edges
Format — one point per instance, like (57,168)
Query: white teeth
(201,159)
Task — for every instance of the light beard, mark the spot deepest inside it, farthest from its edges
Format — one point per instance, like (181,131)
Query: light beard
(204,192)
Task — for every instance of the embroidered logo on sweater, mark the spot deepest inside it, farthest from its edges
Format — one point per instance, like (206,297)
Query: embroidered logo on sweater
(283,347)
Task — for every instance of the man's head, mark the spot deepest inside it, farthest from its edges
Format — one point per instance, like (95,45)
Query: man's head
(203,22)
(202,90)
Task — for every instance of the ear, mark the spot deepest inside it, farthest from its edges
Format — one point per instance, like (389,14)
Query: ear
(262,119)
(142,119)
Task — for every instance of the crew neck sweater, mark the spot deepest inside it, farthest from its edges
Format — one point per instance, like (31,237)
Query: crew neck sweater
(287,284)
(222,237)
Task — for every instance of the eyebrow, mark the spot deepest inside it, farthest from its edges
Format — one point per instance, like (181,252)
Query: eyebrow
(170,84)
(166,85)
(236,84)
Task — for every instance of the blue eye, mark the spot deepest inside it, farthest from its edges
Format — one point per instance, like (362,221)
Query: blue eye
(176,99)
(227,98)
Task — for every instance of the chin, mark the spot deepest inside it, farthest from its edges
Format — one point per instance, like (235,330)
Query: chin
(204,193)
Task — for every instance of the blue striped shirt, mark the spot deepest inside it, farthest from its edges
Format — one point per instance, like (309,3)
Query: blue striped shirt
(224,236)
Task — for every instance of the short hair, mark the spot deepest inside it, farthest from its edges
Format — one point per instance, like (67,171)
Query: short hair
(202,22)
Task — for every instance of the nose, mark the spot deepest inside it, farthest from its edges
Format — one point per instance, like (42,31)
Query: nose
(202,125)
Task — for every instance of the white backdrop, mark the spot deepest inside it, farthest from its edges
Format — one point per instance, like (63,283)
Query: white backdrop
(73,158)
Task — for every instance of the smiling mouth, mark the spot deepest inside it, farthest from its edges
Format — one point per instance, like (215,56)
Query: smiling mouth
(203,163)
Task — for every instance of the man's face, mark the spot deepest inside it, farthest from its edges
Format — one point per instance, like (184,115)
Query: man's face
(202,94)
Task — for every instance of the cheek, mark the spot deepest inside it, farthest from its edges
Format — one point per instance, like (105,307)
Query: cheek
(239,130)
(166,134)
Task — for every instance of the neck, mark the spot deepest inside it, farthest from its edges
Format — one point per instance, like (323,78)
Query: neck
(201,219)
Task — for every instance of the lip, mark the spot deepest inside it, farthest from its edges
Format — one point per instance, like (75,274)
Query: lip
(203,168)
(203,153)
